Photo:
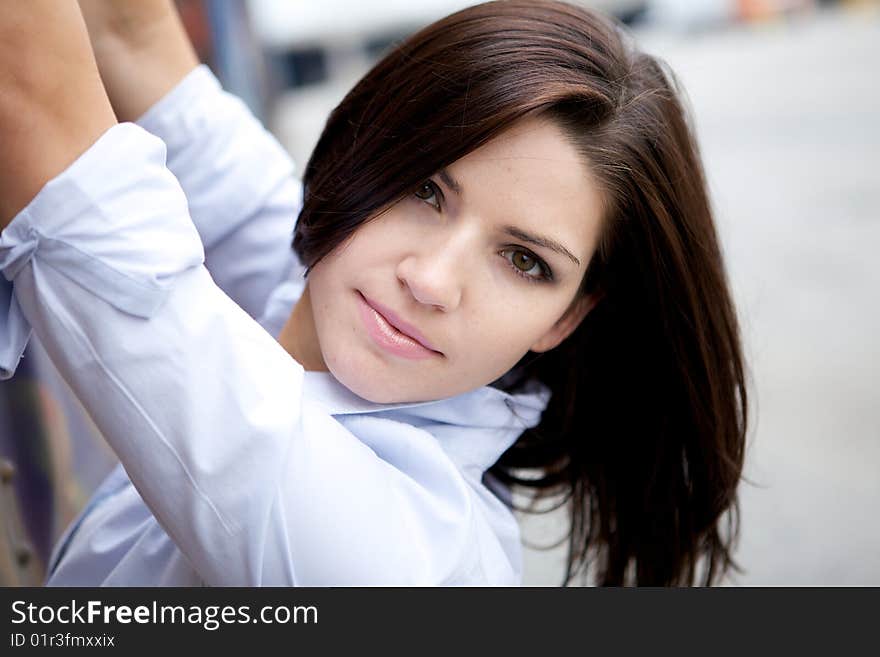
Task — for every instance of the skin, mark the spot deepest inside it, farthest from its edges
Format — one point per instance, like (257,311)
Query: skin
(441,261)
(142,51)
(52,103)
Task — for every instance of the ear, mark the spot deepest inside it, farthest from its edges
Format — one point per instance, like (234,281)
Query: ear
(566,324)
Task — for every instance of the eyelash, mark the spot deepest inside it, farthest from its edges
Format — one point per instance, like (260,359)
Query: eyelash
(546,273)
(436,192)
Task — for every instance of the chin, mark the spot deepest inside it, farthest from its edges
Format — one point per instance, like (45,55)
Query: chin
(368,391)
(364,381)
(373,389)
(373,378)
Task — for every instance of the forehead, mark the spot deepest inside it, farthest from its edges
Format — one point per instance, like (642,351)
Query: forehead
(532,176)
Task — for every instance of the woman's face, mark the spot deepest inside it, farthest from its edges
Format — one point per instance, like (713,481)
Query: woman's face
(450,287)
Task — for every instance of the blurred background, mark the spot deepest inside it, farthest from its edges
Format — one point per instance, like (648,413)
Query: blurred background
(786,102)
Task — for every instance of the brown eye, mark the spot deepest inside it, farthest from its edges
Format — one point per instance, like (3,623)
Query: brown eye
(527,265)
(428,193)
(523,261)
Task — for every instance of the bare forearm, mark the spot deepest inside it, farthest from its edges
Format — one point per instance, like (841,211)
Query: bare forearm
(141,49)
(52,103)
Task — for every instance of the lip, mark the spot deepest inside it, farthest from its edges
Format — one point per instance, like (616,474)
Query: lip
(392,333)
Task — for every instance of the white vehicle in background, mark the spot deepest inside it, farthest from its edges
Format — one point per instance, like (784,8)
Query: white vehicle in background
(295,24)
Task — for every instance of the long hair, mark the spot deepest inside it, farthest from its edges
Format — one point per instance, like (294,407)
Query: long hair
(645,431)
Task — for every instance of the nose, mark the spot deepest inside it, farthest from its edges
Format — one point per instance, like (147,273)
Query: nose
(435,276)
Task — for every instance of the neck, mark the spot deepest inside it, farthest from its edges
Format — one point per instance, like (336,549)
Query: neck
(299,337)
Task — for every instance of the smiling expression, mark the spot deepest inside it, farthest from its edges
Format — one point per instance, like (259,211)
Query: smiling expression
(448,288)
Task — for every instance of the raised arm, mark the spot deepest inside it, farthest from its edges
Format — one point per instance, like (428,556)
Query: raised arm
(239,182)
(142,51)
(52,103)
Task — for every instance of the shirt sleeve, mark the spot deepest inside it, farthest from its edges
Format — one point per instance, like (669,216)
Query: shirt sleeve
(253,482)
(239,182)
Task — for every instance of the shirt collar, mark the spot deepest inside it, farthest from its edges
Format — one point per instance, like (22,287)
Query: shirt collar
(474,428)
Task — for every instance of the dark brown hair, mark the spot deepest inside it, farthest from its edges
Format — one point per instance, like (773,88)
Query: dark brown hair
(645,431)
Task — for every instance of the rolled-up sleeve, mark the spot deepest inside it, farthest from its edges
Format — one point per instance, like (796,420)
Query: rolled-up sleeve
(90,225)
(15,332)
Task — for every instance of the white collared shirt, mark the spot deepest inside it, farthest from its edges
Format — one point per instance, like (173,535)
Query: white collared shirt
(142,280)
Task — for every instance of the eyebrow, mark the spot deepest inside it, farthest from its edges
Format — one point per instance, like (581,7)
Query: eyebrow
(449,181)
(539,240)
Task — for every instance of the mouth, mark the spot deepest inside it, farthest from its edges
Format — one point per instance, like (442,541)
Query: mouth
(393,334)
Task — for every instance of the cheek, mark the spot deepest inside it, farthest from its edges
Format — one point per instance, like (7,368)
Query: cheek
(329,278)
(504,329)
(326,290)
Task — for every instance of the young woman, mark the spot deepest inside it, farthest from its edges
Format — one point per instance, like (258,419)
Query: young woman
(505,275)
